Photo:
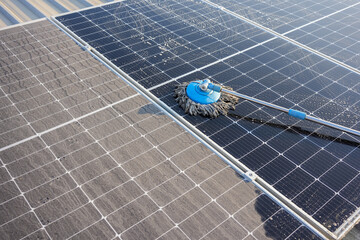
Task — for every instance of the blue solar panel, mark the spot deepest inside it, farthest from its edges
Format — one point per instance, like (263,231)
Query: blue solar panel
(330,27)
(160,44)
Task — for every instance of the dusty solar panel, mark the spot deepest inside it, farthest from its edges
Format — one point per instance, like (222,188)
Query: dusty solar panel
(96,161)
(160,44)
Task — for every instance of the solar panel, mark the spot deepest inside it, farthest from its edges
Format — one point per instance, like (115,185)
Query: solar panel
(163,43)
(330,27)
(67,177)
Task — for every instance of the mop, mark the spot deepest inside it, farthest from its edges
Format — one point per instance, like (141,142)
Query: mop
(210,100)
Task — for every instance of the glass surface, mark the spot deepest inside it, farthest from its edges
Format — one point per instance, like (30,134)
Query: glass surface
(163,43)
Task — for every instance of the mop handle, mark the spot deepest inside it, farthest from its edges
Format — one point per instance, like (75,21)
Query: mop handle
(291,112)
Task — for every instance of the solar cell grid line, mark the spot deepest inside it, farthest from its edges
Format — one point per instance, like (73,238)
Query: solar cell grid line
(25,111)
(27,203)
(15,106)
(63,124)
(153,87)
(288,15)
(57,85)
(73,73)
(334,36)
(83,116)
(27,77)
(53,153)
(16,184)
(118,186)
(54,143)
(204,19)
(194,72)
(274,85)
(73,169)
(21,141)
(327,48)
(206,16)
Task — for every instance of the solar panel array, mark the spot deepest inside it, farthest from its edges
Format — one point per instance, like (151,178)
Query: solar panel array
(162,43)
(84,156)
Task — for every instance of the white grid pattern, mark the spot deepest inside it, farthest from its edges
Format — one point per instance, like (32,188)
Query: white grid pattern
(67,172)
(211,64)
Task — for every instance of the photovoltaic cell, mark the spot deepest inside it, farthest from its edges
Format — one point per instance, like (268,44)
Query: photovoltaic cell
(330,27)
(336,36)
(162,43)
(284,16)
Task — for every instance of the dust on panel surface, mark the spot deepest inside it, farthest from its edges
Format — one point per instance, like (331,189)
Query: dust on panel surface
(100,161)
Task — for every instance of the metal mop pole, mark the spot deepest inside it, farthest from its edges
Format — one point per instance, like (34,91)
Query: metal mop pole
(292,112)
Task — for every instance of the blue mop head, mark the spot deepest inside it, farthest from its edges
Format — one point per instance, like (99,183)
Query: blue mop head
(208,103)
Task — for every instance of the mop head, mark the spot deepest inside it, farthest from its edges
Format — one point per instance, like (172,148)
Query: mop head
(212,110)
